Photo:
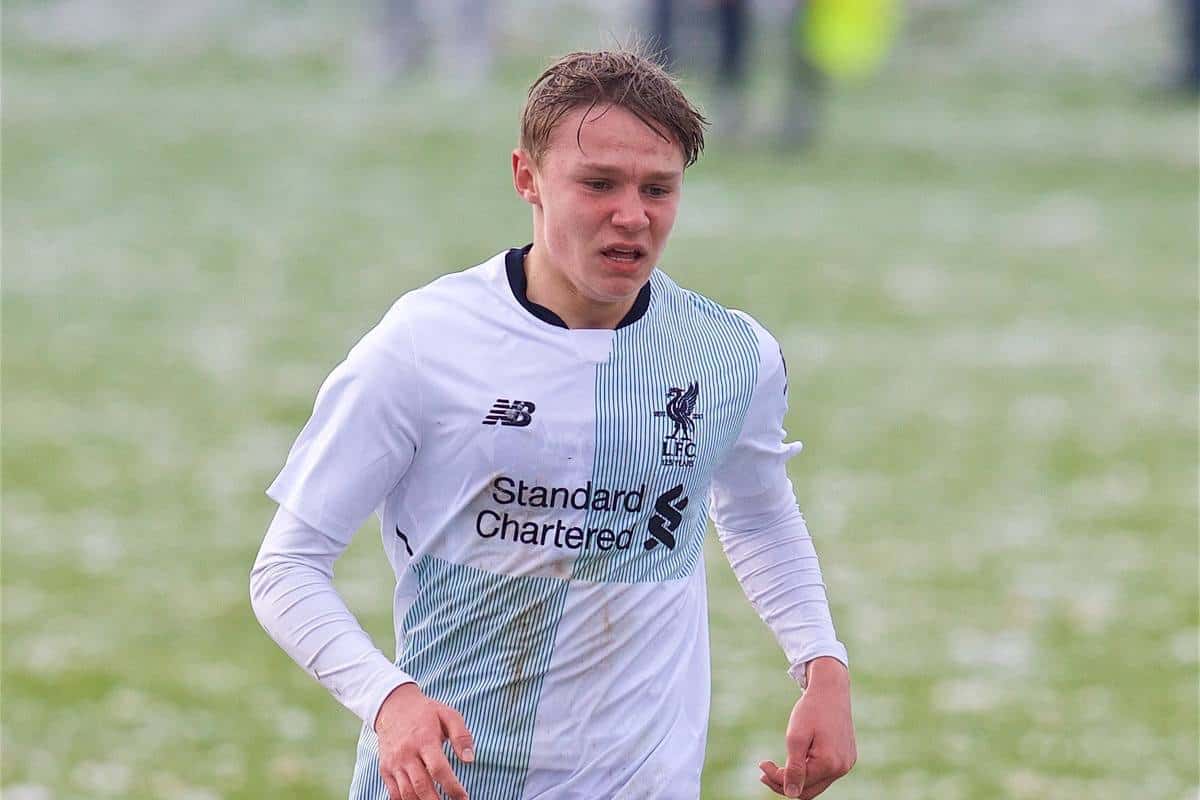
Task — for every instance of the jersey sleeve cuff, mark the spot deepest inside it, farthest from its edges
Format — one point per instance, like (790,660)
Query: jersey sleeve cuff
(379,692)
(837,650)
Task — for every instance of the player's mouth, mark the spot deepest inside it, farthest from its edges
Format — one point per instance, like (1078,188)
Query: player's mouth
(624,254)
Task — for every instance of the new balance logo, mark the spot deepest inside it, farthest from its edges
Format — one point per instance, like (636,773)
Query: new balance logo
(667,516)
(517,413)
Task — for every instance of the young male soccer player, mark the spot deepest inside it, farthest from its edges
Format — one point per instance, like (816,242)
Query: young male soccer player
(543,437)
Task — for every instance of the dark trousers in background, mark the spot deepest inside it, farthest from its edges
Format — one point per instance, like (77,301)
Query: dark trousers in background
(732,18)
(1189,76)
(732,23)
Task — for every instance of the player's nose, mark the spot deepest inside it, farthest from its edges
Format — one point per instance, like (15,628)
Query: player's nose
(630,213)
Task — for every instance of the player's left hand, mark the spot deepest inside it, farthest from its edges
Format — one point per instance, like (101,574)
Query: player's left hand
(820,735)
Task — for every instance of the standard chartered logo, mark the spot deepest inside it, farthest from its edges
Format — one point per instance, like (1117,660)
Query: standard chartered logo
(509,495)
(668,514)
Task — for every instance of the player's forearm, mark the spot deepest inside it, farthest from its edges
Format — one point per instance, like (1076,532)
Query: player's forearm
(292,593)
(780,573)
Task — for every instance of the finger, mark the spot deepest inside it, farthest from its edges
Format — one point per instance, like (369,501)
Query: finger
(422,783)
(796,770)
(439,768)
(455,729)
(770,769)
(393,787)
(816,788)
(774,785)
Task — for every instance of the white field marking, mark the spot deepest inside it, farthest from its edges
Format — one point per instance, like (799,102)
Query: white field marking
(315,30)
(92,23)
(229,764)
(288,768)
(1037,37)
(946,214)
(221,349)
(215,677)
(910,780)
(294,723)
(881,746)
(1089,592)
(1039,415)
(1064,219)
(730,702)
(1093,608)
(247,464)
(103,778)
(918,288)
(1037,136)
(186,792)
(109,414)
(1030,784)
(838,492)
(23,602)
(128,705)
(971,694)
(27,791)
(101,547)
(1185,646)
(1042,35)
(1121,486)
(1034,343)
(346,113)
(1128,360)
(1024,783)
(760,745)
(1011,651)
(877,711)
(1020,528)
(54,652)
(1096,704)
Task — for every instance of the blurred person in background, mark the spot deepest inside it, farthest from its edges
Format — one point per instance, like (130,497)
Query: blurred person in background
(824,39)
(805,78)
(461,30)
(732,21)
(806,85)
(1187,78)
(543,437)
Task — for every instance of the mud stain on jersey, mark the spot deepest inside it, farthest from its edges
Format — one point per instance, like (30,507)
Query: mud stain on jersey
(529,631)
(606,627)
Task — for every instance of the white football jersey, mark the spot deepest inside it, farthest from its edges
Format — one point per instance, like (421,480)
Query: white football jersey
(544,495)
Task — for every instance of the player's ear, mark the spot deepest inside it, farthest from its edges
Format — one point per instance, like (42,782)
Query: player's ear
(525,177)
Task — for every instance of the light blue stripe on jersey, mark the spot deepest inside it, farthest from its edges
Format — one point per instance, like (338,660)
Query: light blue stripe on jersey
(481,643)
(683,338)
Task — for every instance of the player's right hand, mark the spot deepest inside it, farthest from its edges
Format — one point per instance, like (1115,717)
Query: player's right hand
(411,729)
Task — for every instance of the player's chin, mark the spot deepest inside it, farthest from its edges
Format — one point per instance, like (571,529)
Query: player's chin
(619,288)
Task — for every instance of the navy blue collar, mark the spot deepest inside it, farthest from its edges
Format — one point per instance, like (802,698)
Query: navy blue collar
(514,264)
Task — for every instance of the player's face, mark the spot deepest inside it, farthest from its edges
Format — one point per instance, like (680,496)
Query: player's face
(605,203)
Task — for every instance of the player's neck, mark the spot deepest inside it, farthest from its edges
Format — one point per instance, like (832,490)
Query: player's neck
(548,287)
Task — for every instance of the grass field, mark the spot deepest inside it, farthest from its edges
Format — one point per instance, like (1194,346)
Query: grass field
(985,284)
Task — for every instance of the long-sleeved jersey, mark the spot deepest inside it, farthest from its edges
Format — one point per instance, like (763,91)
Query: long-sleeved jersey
(544,494)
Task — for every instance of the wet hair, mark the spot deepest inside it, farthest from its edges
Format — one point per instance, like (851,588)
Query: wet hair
(626,78)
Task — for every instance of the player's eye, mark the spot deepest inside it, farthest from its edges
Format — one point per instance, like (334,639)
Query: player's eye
(657,191)
(597,185)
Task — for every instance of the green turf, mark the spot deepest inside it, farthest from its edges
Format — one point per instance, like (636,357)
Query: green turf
(985,285)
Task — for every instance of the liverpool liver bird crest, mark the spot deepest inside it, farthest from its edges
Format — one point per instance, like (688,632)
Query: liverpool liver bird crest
(681,409)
